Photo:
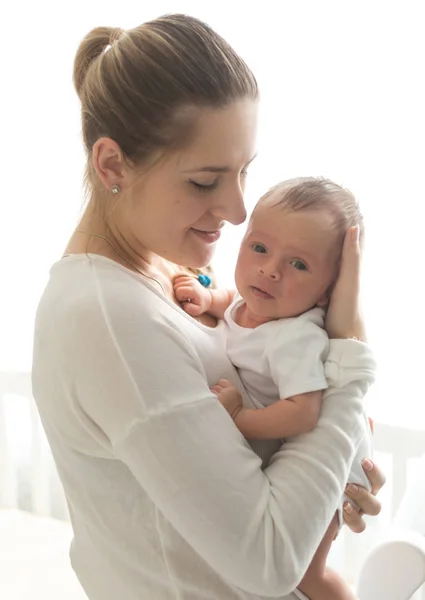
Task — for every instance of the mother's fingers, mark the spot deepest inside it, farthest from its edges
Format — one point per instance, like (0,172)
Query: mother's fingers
(350,259)
(353,519)
(367,503)
(343,318)
(374,474)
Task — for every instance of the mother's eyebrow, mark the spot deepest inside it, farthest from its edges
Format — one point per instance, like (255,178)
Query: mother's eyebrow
(216,168)
(209,169)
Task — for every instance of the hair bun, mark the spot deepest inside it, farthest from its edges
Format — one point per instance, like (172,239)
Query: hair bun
(116,33)
(91,48)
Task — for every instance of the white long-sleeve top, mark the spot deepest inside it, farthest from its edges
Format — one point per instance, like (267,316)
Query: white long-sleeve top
(167,499)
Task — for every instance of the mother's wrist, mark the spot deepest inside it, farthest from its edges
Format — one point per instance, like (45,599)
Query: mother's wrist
(357,332)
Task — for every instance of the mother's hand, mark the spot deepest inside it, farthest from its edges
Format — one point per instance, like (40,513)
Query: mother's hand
(344,319)
(365,500)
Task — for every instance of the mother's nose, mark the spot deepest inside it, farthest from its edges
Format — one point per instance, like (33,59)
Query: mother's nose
(232,207)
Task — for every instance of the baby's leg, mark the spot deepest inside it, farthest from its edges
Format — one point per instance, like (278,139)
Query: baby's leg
(320,582)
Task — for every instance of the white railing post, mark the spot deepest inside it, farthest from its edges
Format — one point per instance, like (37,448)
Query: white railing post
(40,467)
(401,444)
(8,483)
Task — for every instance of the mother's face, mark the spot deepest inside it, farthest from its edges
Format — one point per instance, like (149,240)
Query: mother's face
(179,206)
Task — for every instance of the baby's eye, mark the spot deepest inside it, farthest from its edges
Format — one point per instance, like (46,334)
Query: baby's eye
(259,248)
(299,264)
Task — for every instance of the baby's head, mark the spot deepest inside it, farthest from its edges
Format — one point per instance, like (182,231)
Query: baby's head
(289,258)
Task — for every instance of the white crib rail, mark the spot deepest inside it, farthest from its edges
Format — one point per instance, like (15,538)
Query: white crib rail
(8,485)
(41,463)
(400,444)
(18,384)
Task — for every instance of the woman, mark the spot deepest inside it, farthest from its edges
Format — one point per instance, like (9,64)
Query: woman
(167,499)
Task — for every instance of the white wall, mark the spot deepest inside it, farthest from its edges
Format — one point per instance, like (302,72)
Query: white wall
(342,97)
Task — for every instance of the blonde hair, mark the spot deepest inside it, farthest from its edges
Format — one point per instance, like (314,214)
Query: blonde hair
(139,87)
(317,193)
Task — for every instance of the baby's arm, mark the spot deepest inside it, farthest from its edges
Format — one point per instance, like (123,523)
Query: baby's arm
(197,299)
(285,418)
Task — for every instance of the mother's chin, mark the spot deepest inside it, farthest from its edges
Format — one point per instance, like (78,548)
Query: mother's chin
(198,250)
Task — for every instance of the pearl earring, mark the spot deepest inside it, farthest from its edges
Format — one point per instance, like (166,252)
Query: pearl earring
(115,189)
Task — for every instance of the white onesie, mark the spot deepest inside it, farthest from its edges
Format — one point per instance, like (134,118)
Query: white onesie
(284,358)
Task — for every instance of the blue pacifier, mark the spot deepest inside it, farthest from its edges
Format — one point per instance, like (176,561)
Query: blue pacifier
(204,280)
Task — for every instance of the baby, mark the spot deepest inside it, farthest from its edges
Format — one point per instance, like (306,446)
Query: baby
(287,265)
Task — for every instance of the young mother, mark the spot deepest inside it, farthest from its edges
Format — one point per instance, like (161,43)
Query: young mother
(167,499)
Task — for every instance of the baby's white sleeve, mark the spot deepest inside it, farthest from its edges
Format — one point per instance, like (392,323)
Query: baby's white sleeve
(296,355)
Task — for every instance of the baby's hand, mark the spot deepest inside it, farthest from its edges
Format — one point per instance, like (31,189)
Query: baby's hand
(229,397)
(194,298)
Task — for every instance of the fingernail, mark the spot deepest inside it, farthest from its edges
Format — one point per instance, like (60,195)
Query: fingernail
(348,508)
(367,464)
(355,233)
(351,488)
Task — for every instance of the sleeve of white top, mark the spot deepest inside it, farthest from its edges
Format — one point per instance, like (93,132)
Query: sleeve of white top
(142,388)
(297,355)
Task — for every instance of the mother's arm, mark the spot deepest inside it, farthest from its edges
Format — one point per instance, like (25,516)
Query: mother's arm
(344,320)
(253,528)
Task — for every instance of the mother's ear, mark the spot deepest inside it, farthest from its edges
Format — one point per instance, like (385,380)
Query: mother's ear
(108,162)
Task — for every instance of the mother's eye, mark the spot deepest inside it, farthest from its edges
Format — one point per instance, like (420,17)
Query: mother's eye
(204,187)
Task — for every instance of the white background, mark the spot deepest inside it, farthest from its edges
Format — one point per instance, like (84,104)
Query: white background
(342,97)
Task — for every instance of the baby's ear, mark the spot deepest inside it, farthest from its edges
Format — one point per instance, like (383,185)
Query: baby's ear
(324,300)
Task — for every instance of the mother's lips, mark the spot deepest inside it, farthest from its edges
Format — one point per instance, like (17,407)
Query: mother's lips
(208,236)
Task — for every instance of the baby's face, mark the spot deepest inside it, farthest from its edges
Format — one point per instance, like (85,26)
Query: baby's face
(287,262)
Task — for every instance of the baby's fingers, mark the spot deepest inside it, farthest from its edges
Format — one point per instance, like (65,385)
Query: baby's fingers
(225,383)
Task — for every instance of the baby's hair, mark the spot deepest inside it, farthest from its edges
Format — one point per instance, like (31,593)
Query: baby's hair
(317,193)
